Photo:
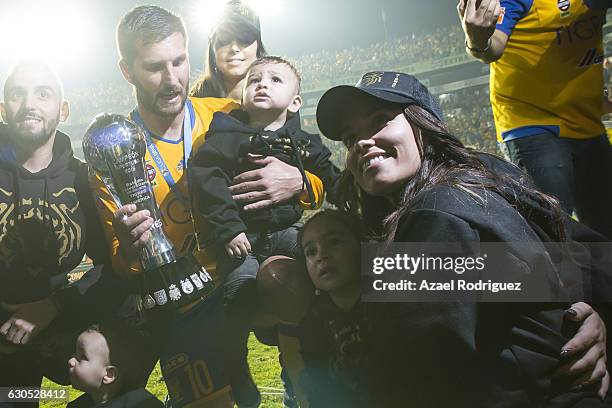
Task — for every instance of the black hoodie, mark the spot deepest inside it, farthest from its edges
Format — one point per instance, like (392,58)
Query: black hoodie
(48,222)
(224,155)
(43,231)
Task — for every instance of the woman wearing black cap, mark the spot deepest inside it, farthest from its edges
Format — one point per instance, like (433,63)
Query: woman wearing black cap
(233,45)
(410,180)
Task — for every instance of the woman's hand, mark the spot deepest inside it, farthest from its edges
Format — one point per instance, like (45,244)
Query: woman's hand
(585,353)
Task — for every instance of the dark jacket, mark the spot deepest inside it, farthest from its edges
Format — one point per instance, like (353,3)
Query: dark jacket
(139,398)
(473,354)
(41,214)
(224,155)
(48,222)
(333,348)
(459,354)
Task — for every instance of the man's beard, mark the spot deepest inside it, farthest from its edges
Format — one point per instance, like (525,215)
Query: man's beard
(32,139)
(150,102)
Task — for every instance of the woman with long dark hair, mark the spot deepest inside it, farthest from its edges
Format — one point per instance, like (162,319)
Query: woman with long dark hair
(410,180)
(233,45)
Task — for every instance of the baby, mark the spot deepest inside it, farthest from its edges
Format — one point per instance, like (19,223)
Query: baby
(110,366)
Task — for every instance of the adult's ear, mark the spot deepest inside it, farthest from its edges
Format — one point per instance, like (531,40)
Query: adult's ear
(125,71)
(64,111)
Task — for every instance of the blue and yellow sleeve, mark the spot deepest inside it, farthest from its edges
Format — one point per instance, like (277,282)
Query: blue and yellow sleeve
(512,12)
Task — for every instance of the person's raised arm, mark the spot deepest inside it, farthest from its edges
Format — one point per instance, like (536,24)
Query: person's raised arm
(478,20)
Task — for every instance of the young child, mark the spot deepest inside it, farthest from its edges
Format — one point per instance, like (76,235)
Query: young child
(332,331)
(268,125)
(109,365)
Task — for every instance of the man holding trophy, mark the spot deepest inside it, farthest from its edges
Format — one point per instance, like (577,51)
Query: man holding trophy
(152,44)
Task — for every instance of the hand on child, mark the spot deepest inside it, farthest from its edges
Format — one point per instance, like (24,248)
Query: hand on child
(239,246)
(274,182)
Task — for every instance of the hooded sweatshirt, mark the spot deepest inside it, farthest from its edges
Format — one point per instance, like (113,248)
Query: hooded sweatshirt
(229,142)
(48,222)
(41,214)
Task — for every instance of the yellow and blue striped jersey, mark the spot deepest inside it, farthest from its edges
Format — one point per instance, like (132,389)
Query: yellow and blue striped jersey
(179,224)
(550,74)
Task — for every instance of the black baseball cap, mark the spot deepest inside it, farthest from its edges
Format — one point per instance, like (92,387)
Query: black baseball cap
(392,87)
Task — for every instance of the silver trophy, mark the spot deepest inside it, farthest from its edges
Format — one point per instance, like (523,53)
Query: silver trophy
(115,148)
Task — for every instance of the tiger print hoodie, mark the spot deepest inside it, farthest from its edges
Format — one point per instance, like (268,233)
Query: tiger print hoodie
(47,222)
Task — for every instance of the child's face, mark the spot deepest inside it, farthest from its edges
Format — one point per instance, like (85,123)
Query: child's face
(332,254)
(88,366)
(271,87)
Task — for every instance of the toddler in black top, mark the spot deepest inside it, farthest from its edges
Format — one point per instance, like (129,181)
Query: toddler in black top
(110,365)
(268,125)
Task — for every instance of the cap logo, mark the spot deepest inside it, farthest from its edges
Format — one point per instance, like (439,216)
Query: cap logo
(371,78)
(395,80)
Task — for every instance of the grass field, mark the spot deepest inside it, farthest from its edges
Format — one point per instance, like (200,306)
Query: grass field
(264,366)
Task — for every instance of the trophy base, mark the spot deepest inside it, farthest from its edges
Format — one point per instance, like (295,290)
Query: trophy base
(175,284)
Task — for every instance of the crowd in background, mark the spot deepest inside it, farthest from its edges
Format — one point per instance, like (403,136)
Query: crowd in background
(393,54)
(86,103)
(467,112)
(468,115)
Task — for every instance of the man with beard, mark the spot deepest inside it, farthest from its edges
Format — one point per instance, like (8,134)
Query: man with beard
(44,205)
(152,44)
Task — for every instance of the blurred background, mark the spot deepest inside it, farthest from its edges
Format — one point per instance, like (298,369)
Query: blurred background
(331,43)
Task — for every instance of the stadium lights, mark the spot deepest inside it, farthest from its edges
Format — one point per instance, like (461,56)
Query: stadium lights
(207,13)
(59,35)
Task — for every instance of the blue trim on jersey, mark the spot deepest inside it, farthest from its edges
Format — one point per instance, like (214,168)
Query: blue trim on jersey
(514,11)
(526,131)
(192,113)
(161,139)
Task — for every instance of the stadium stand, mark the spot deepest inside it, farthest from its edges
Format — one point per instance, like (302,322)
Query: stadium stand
(438,59)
